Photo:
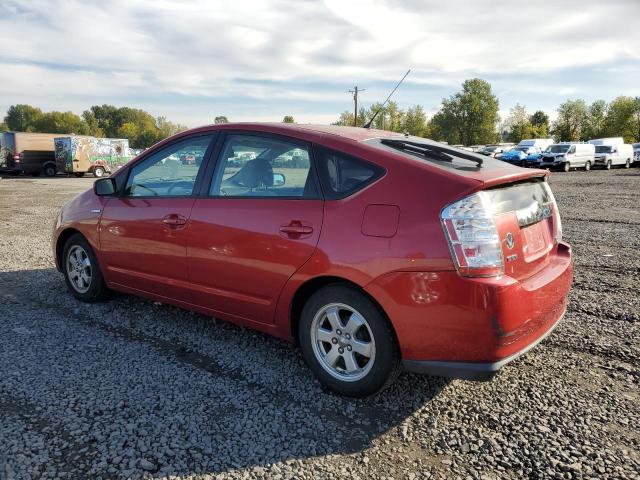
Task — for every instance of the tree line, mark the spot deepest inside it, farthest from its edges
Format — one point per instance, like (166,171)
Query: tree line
(471,117)
(140,127)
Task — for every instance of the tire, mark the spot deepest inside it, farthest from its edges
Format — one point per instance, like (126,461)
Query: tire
(566,167)
(79,261)
(99,172)
(348,342)
(78,174)
(49,170)
(587,166)
(608,166)
(627,164)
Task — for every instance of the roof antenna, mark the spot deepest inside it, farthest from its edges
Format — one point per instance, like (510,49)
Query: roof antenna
(368,125)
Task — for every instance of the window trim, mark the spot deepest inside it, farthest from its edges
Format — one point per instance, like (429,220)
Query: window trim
(199,177)
(379,172)
(216,160)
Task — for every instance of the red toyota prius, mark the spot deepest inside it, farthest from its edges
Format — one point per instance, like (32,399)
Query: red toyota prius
(371,249)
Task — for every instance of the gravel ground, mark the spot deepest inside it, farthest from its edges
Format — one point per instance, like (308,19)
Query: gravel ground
(133,389)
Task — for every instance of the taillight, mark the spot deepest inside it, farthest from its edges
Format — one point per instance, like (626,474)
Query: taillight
(473,236)
(557,223)
(17,158)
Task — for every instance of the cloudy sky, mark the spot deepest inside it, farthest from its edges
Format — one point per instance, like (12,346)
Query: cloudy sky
(263,59)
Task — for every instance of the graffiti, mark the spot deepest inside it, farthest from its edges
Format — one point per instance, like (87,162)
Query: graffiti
(82,154)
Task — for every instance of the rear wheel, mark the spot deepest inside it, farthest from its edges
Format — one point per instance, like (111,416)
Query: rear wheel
(587,166)
(627,164)
(81,270)
(98,172)
(347,342)
(49,170)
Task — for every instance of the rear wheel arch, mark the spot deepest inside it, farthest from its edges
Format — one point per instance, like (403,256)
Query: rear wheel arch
(307,289)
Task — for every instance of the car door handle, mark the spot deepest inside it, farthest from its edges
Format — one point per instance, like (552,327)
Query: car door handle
(174,220)
(296,229)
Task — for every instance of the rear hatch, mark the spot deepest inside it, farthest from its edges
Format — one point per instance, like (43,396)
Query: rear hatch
(528,225)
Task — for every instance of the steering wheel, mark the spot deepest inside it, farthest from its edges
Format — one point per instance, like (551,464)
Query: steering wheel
(189,186)
(136,185)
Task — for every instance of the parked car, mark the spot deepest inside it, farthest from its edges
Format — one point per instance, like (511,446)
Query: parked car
(30,153)
(542,143)
(492,150)
(565,156)
(636,152)
(380,250)
(518,155)
(611,152)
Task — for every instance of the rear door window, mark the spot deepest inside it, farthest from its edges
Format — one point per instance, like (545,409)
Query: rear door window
(342,175)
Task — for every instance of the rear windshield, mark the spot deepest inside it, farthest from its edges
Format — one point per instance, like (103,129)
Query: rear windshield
(519,197)
(459,164)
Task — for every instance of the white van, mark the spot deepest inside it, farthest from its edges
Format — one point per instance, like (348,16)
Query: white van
(567,155)
(612,151)
(536,142)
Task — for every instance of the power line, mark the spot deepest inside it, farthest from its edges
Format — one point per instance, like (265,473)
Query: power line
(355,92)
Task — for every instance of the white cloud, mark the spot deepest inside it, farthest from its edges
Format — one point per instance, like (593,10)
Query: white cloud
(255,59)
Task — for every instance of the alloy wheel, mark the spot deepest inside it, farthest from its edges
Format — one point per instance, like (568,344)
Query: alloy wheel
(79,269)
(342,342)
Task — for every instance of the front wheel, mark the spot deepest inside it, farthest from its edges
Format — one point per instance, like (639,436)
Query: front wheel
(608,167)
(81,270)
(587,166)
(98,172)
(347,342)
(566,167)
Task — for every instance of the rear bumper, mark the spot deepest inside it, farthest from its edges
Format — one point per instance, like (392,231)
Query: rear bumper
(451,325)
(477,371)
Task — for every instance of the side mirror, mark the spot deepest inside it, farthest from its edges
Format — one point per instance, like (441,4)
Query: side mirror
(278,179)
(103,187)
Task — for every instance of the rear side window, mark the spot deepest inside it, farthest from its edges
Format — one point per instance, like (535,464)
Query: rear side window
(342,175)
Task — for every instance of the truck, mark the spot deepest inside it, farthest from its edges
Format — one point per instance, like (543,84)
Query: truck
(29,153)
(536,142)
(611,152)
(564,156)
(78,155)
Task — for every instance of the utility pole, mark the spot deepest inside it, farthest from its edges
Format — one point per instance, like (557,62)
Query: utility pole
(355,92)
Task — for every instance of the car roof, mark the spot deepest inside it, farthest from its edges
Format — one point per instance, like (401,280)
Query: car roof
(358,134)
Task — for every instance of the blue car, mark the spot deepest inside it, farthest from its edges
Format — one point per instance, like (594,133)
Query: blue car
(520,155)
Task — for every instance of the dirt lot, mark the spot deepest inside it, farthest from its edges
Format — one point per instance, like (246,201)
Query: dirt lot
(128,388)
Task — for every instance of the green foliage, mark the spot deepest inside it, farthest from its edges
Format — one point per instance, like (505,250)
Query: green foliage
(142,129)
(22,118)
(596,119)
(623,118)
(468,117)
(571,124)
(220,119)
(288,119)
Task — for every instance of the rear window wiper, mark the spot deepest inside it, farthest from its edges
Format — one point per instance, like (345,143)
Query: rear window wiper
(434,152)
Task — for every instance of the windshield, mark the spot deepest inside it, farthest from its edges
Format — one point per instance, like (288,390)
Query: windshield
(603,148)
(557,148)
(492,148)
(522,149)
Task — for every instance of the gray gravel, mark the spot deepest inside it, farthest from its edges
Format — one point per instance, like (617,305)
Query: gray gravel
(133,389)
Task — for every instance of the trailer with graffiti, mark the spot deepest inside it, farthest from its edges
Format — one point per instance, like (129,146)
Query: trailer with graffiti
(79,154)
